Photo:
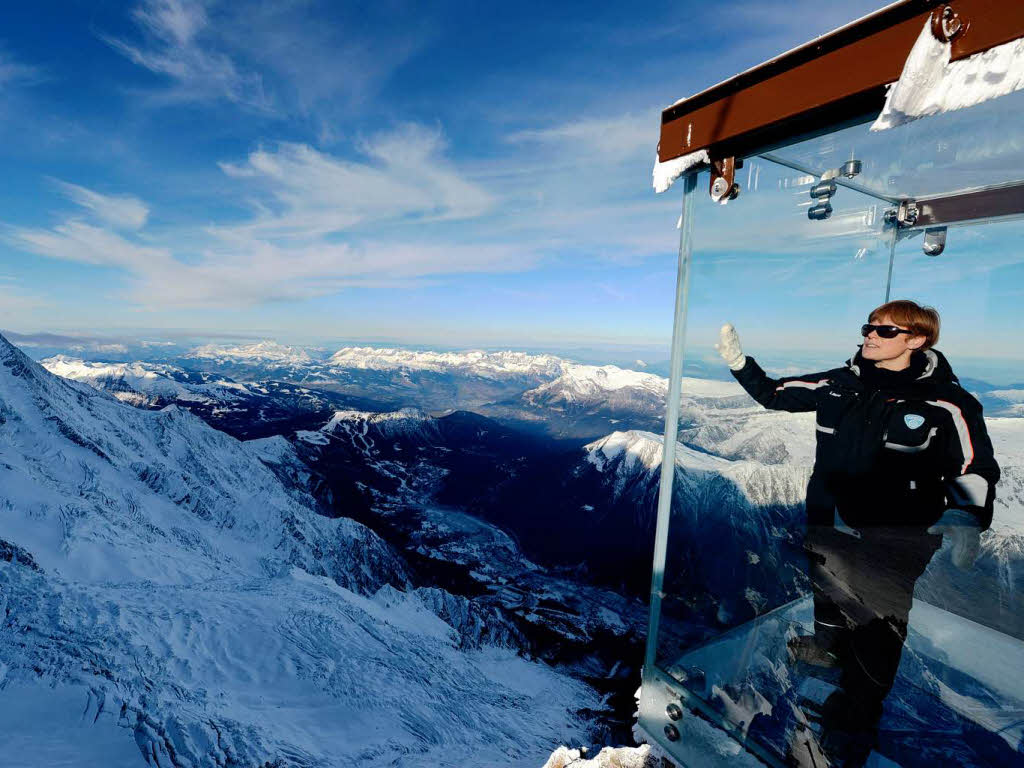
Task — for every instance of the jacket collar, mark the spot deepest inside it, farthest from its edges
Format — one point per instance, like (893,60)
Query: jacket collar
(936,369)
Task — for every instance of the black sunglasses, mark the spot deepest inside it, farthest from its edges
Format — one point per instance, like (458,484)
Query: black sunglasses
(885,331)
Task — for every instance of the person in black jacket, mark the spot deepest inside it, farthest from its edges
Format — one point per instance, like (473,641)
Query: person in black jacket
(902,459)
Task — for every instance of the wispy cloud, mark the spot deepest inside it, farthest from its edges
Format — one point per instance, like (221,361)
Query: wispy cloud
(277,58)
(306,193)
(119,211)
(289,248)
(75,240)
(613,137)
(175,44)
(14,72)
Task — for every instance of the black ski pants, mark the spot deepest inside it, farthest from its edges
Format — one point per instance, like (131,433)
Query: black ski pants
(863,583)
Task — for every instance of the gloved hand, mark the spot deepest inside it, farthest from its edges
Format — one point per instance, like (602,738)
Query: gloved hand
(729,347)
(963,529)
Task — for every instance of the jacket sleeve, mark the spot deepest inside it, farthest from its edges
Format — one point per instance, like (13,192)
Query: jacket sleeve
(970,472)
(791,393)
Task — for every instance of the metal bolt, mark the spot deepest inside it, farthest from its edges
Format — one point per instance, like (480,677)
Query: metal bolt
(719,188)
(851,168)
(823,189)
(819,212)
(671,732)
(673,711)
(946,24)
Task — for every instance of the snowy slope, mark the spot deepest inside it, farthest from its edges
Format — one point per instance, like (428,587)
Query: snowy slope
(160,570)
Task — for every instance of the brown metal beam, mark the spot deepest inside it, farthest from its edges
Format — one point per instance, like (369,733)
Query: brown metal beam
(971,206)
(837,79)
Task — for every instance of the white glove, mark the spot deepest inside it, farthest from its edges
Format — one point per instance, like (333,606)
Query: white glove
(729,347)
(963,529)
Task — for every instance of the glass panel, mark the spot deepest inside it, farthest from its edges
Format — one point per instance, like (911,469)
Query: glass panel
(854,640)
(795,288)
(964,150)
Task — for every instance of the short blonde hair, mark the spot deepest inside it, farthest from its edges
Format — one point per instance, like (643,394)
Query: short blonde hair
(923,321)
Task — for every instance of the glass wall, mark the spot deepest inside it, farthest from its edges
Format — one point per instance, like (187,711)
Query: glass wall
(864,636)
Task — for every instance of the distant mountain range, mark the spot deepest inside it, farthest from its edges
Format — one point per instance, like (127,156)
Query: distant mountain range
(514,494)
(162,577)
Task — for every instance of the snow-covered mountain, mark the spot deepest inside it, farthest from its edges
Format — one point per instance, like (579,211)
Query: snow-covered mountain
(157,575)
(1004,402)
(734,521)
(495,365)
(257,353)
(257,408)
(582,385)
(590,401)
(149,385)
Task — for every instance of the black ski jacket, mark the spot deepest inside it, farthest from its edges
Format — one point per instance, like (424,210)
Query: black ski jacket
(893,448)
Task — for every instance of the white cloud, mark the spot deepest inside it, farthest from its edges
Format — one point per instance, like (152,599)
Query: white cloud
(174,45)
(75,240)
(308,193)
(264,272)
(281,58)
(613,138)
(120,211)
(290,247)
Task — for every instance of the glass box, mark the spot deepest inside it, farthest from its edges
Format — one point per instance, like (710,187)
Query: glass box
(728,677)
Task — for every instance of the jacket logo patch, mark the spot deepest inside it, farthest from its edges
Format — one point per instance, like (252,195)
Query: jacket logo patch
(913,420)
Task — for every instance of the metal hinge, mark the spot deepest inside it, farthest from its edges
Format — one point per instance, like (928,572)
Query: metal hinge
(723,179)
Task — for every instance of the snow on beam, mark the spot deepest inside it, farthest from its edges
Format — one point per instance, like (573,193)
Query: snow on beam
(836,79)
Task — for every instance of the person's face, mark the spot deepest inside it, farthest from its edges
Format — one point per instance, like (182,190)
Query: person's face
(876,348)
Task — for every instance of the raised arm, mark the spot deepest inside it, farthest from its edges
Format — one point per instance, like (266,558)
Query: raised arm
(791,393)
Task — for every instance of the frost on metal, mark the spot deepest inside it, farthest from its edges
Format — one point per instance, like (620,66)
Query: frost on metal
(932,84)
(666,173)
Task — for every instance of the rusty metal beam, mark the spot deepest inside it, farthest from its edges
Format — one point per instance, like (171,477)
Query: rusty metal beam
(837,79)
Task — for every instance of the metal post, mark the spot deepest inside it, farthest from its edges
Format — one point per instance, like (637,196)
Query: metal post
(668,459)
(892,258)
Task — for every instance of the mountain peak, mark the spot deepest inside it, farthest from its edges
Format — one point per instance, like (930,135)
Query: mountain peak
(635,449)
(632,447)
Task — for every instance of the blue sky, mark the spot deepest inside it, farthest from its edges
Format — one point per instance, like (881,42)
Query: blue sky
(444,173)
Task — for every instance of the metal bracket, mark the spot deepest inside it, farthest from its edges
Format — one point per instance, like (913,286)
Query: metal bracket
(947,24)
(723,180)
(904,216)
